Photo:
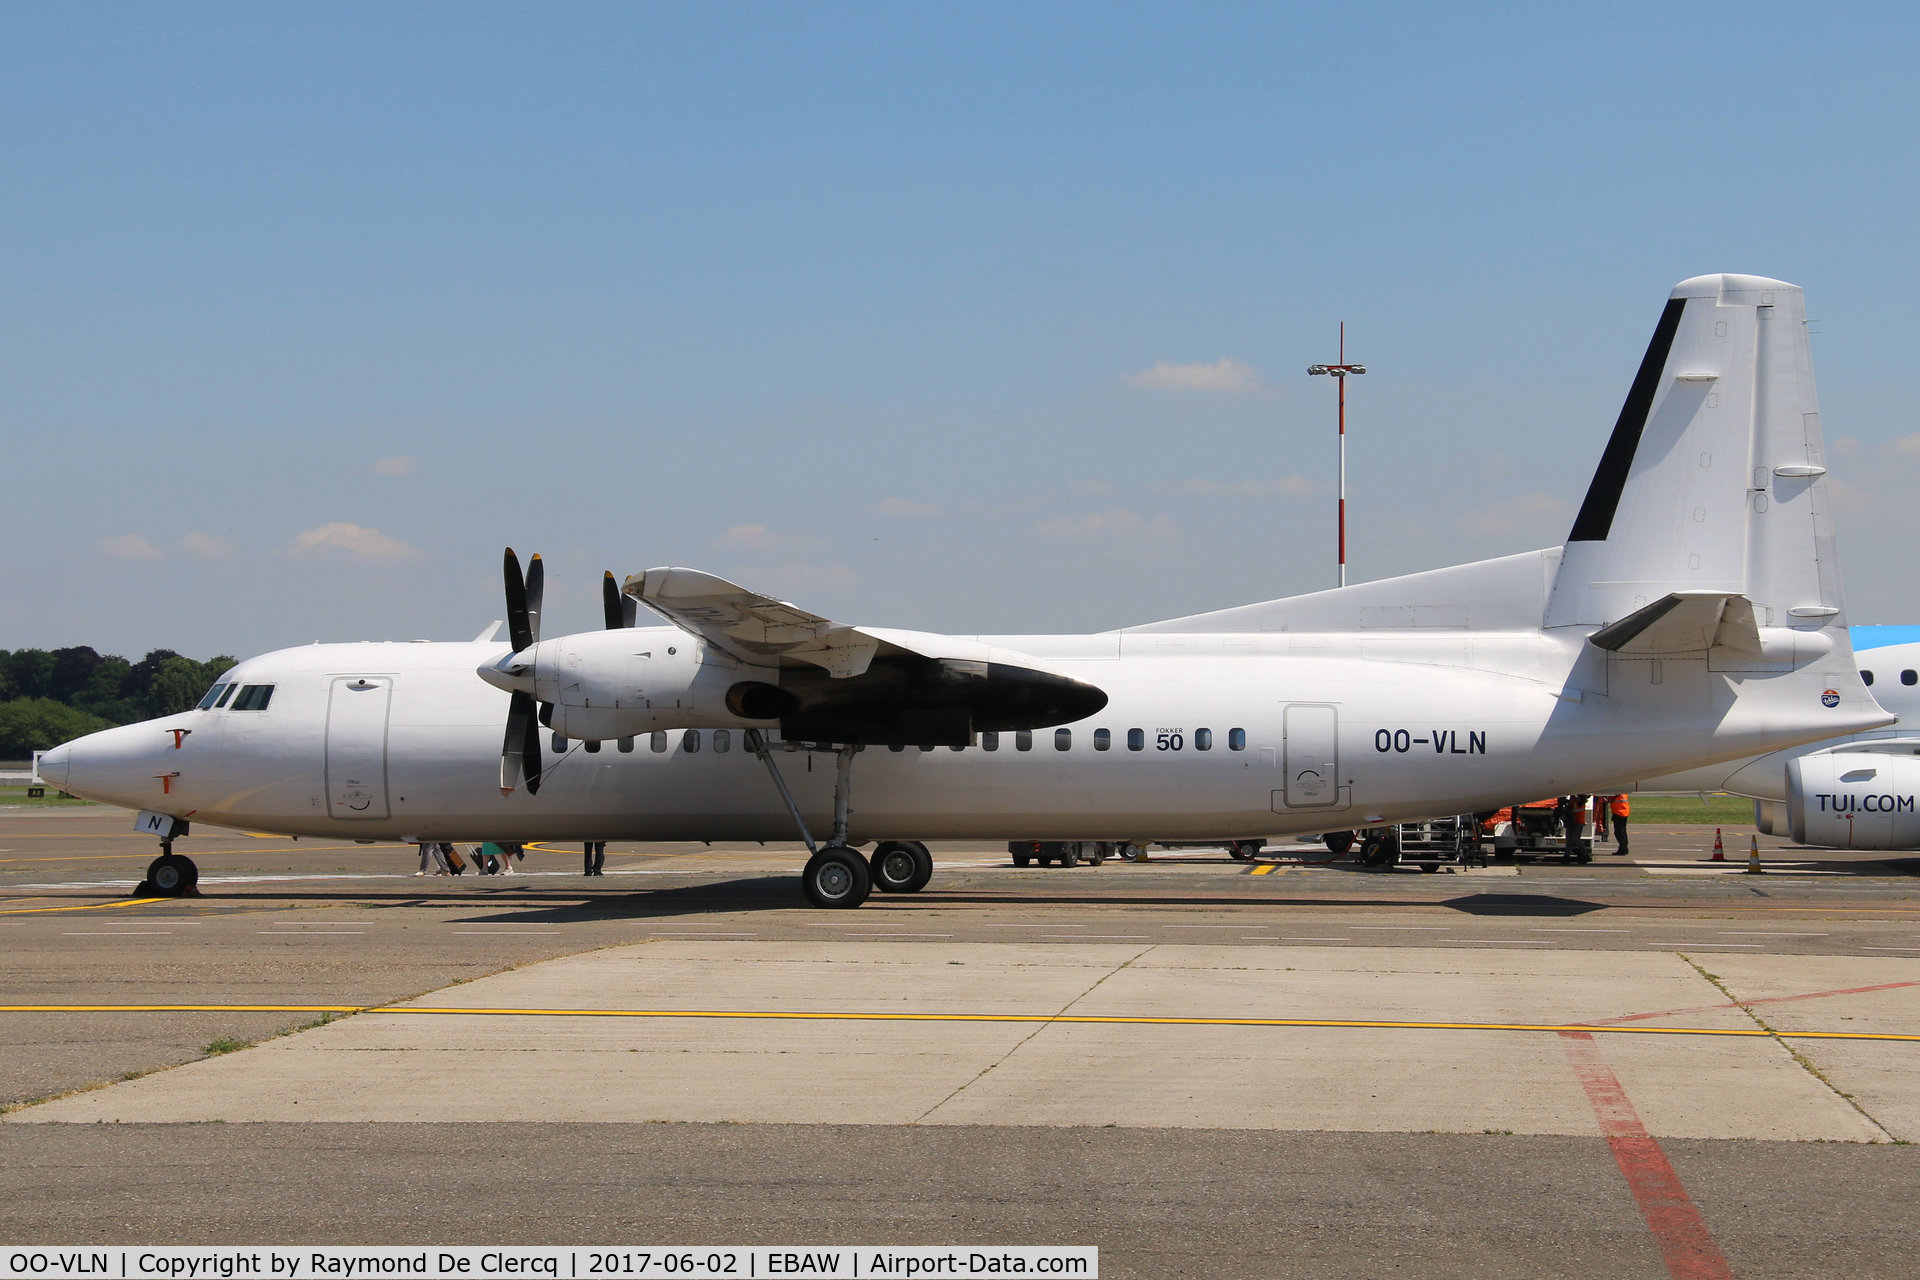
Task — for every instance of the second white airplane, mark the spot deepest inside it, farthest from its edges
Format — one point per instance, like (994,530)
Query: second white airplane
(1694,615)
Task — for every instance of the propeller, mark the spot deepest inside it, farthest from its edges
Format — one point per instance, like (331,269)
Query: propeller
(621,610)
(520,751)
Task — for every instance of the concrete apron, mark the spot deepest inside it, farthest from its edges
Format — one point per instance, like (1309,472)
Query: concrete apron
(501,1066)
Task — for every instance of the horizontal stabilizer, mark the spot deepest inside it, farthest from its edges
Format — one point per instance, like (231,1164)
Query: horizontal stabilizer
(1681,622)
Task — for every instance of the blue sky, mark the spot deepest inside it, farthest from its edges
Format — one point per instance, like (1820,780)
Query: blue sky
(305,311)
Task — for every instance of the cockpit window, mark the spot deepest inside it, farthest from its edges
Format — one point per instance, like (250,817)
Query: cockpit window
(212,694)
(253,697)
(225,696)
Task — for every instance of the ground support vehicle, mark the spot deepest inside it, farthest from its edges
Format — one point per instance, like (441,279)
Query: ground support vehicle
(1524,833)
(1066,853)
(1428,843)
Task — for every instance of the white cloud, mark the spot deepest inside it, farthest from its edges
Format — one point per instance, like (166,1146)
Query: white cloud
(1115,522)
(759,538)
(205,545)
(1226,374)
(1522,511)
(396,466)
(128,546)
(352,540)
(1909,445)
(906,507)
(1284,487)
(1846,446)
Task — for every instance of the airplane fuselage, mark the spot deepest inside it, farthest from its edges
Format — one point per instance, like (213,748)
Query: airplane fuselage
(1204,736)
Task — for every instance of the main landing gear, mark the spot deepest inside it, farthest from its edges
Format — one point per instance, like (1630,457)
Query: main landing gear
(836,875)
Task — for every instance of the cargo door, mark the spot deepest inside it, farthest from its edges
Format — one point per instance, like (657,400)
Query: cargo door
(1312,754)
(357,747)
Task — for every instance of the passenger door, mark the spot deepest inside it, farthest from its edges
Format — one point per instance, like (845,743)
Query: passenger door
(357,747)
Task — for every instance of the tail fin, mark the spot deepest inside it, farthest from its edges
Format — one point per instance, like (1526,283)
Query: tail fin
(1714,479)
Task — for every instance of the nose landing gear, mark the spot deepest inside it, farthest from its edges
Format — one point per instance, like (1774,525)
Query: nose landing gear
(171,875)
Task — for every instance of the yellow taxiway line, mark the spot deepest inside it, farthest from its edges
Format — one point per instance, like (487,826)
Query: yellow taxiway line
(90,906)
(1373,1024)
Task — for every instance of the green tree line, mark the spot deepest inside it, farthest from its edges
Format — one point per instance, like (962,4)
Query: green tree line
(49,696)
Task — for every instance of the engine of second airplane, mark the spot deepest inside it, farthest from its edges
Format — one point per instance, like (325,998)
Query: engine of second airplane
(1854,800)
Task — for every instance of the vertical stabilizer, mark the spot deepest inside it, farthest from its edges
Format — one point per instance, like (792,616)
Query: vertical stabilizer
(1714,478)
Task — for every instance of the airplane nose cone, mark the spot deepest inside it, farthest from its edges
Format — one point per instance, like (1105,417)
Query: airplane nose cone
(119,766)
(54,766)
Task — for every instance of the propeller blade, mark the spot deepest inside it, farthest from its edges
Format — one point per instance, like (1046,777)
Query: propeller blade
(530,751)
(536,587)
(610,603)
(513,749)
(519,632)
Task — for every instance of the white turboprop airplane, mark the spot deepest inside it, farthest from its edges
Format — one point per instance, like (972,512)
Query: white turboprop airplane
(1694,615)
(1858,792)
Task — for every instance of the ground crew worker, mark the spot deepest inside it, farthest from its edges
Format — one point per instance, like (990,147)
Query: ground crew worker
(1600,806)
(596,857)
(1619,807)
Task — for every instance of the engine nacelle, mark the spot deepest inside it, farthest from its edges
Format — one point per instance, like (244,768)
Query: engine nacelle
(629,681)
(1854,800)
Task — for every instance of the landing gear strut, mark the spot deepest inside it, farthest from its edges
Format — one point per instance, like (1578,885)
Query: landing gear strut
(836,875)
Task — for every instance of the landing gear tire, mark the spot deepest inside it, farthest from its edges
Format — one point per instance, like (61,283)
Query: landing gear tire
(1381,852)
(1337,842)
(901,866)
(1243,850)
(836,876)
(172,876)
(1069,857)
(1022,859)
(1099,854)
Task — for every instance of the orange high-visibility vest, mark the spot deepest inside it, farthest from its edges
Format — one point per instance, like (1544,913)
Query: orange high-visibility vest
(1619,806)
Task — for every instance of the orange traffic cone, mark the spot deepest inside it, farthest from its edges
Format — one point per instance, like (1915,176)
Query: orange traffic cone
(1753,857)
(1719,850)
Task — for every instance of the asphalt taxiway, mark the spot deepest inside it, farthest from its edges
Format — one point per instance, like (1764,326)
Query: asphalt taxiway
(1650,1065)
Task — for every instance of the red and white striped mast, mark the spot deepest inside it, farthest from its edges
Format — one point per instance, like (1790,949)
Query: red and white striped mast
(1340,373)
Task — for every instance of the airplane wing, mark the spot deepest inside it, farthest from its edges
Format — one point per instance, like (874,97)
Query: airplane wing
(866,684)
(761,630)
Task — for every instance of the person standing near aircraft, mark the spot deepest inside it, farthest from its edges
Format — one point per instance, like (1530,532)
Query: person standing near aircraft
(1618,806)
(596,855)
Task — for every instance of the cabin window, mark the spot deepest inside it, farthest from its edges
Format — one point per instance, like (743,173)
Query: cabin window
(1236,739)
(212,694)
(1023,740)
(657,740)
(626,745)
(1063,739)
(559,744)
(593,746)
(1136,739)
(1203,739)
(1103,739)
(1866,677)
(253,697)
(690,741)
(722,740)
(1909,676)
(989,742)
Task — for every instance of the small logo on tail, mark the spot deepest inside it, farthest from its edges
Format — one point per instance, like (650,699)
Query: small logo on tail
(1831,698)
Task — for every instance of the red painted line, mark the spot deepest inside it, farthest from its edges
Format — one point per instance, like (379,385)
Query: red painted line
(1709,1008)
(1686,1246)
